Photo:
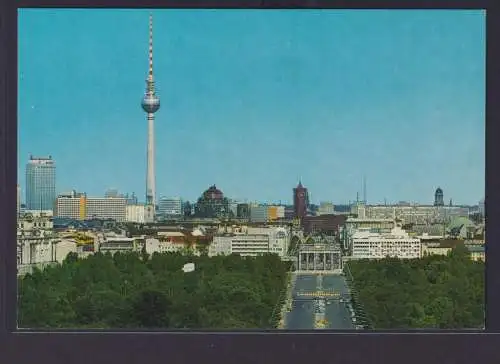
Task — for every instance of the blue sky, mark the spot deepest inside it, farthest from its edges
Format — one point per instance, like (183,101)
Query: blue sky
(254,100)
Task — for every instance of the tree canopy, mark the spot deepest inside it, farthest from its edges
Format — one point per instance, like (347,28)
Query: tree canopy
(441,292)
(130,290)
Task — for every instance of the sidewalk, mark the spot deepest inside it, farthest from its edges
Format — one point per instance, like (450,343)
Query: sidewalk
(287,306)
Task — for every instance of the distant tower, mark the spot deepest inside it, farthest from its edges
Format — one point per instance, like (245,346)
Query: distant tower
(150,104)
(300,201)
(438,197)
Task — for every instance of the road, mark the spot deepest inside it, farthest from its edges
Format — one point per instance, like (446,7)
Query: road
(301,317)
(305,310)
(337,314)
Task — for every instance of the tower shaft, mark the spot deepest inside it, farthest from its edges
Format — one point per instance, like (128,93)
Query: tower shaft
(150,179)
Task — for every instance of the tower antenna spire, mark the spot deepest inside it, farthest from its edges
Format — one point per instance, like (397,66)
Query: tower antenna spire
(150,75)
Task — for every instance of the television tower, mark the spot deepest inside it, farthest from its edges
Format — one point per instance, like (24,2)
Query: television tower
(150,104)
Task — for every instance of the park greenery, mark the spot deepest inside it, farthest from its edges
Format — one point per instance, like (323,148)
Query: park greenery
(435,292)
(134,291)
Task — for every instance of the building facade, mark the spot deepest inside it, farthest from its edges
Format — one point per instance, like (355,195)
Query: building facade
(80,207)
(367,244)
(140,214)
(259,214)
(40,183)
(251,242)
(170,207)
(326,208)
(243,210)
(37,244)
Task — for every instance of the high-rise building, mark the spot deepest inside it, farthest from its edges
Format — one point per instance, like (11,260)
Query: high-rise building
(300,201)
(150,104)
(439,197)
(40,183)
(170,207)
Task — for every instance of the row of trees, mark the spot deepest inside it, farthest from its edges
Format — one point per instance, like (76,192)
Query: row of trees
(136,291)
(445,292)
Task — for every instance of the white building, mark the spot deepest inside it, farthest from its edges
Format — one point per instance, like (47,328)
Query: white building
(251,242)
(37,244)
(367,244)
(139,213)
(170,206)
(162,245)
(121,244)
(411,213)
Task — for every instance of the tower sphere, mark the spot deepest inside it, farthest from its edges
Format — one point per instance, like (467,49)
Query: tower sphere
(150,103)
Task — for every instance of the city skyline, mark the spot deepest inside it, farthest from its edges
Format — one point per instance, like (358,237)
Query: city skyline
(227,118)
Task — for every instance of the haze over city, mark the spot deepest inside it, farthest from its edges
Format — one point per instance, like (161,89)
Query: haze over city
(321,96)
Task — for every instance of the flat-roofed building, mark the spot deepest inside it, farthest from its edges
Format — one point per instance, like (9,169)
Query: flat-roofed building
(80,207)
(117,244)
(275,213)
(410,213)
(251,242)
(259,214)
(367,244)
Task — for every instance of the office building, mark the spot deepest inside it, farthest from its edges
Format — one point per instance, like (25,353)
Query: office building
(247,241)
(80,207)
(275,213)
(369,244)
(170,207)
(40,183)
(259,214)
